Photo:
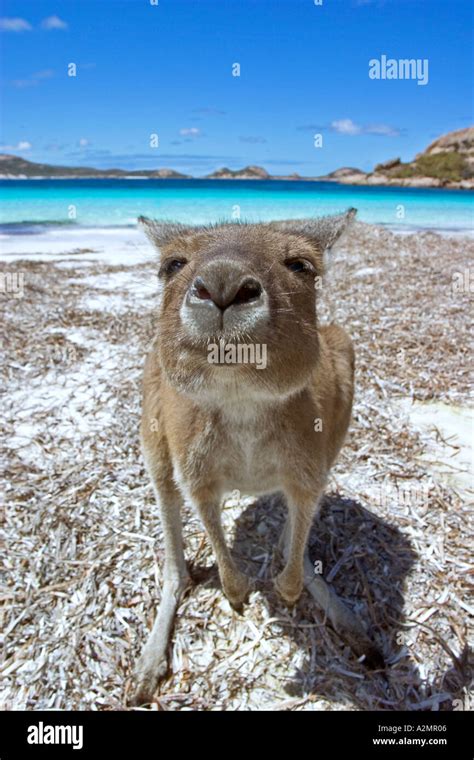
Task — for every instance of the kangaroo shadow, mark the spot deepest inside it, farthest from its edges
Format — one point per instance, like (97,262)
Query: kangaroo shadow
(366,561)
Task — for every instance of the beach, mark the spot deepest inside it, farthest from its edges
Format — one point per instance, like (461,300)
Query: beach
(84,550)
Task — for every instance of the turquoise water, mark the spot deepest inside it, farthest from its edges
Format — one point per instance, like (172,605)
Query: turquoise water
(27,204)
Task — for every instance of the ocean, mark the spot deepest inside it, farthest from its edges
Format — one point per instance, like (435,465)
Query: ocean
(31,205)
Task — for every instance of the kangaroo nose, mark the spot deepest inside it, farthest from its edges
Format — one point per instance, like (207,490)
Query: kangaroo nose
(226,288)
(224,297)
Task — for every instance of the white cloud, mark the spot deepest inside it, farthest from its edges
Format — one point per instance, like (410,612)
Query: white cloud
(345,127)
(17,24)
(253,139)
(14,25)
(190,132)
(21,145)
(44,74)
(349,127)
(53,22)
(23,83)
(382,129)
(83,142)
(34,79)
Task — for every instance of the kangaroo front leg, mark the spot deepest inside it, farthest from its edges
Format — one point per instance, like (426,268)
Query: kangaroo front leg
(234,583)
(301,510)
(153,663)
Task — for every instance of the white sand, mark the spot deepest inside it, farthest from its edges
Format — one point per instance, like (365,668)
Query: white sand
(113,246)
(448,433)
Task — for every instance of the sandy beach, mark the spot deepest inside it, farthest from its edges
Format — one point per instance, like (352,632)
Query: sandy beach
(84,556)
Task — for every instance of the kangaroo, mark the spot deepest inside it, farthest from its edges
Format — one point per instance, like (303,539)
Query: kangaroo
(215,421)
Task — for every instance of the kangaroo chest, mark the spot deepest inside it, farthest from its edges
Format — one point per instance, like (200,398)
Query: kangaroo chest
(252,460)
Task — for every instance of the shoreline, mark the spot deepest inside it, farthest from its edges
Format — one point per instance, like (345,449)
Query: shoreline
(418,183)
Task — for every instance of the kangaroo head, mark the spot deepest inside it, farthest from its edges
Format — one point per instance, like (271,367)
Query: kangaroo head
(240,298)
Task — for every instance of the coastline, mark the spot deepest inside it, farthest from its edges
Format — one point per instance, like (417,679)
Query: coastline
(368,181)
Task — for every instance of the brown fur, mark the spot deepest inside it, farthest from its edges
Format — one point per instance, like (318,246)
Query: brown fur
(209,429)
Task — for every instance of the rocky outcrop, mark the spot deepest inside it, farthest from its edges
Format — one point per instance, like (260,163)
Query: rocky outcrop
(346,175)
(248,172)
(448,162)
(387,165)
(461,141)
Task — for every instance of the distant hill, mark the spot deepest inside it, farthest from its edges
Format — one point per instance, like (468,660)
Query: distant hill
(14,167)
(447,162)
(461,141)
(249,172)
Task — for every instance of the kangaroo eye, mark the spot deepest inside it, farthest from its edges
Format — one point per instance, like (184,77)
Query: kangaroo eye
(297,265)
(172,266)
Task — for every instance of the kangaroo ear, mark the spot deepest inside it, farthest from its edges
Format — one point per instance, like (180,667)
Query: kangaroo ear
(323,231)
(161,232)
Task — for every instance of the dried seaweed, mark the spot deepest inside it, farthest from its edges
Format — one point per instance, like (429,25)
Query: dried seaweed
(83,552)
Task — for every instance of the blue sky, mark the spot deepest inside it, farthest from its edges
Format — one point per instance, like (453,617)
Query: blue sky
(166,69)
